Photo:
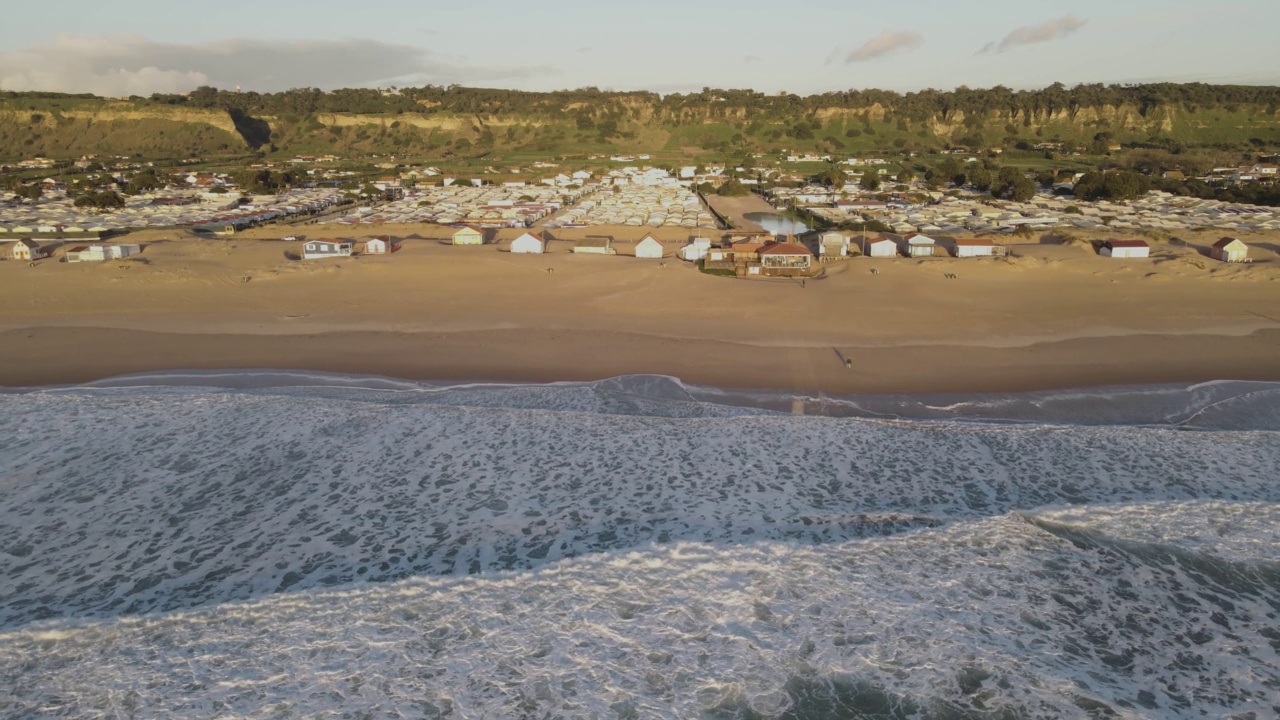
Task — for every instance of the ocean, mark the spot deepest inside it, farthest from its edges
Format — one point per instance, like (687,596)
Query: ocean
(293,544)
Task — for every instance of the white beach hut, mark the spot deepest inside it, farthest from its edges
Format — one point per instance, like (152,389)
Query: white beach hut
(650,247)
(1125,249)
(377,246)
(879,246)
(468,235)
(1230,250)
(975,247)
(529,243)
(920,245)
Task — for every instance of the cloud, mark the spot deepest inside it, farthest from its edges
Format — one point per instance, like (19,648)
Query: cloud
(1032,34)
(119,65)
(752,59)
(583,49)
(885,43)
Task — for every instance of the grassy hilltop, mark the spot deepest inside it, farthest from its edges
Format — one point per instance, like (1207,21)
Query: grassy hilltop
(434,121)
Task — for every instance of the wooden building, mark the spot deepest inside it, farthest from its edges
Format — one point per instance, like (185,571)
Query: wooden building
(1125,249)
(529,243)
(975,247)
(468,235)
(651,248)
(26,250)
(785,260)
(1230,250)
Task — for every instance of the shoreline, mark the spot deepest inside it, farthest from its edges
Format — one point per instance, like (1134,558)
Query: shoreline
(42,356)
(1050,317)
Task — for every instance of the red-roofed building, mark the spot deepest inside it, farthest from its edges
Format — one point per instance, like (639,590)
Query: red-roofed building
(785,259)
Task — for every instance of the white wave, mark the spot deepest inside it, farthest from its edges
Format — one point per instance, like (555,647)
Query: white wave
(990,618)
(623,548)
(128,503)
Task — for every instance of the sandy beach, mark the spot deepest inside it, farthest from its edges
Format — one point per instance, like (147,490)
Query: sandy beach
(1050,316)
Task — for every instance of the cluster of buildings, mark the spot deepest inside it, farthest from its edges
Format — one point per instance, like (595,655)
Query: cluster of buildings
(27,250)
(488,206)
(968,213)
(332,247)
(56,214)
(638,206)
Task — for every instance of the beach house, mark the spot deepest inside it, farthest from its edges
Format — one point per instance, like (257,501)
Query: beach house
(468,235)
(378,246)
(529,243)
(25,250)
(1125,249)
(833,246)
(100,253)
(651,247)
(595,245)
(919,245)
(879,246)
(1230,250)
(975,247)
(697,249)
(315,249)
(785,259)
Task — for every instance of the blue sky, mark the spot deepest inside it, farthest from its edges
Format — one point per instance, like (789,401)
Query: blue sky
(803,46)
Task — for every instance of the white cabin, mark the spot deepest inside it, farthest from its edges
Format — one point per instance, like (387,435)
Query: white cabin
(1125,249)
(879,247)
(650,247)
(833,244)
(25,250)
(377,246)
(468,235)
(1230,250)
(920,246)
(975,247)
(696,250)
(529,243)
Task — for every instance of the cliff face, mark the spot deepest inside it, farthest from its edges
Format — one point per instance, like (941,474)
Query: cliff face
(115,129)
(71,129)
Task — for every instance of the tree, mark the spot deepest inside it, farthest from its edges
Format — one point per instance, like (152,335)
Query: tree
(870,180)
(906,176)
(100,200)
(1120,185)
(29,192)
(733,188)
(830,177)
(981,178)
(1021,190)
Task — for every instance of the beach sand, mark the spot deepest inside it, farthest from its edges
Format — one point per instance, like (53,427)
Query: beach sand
(1051,316)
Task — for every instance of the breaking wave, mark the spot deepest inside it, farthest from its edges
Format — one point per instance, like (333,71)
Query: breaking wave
(230,544)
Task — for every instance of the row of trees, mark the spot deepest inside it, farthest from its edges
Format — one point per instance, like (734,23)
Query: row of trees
(917,106)
(103,200)
(267,182)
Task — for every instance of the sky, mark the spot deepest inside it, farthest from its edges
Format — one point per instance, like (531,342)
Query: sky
(801,46)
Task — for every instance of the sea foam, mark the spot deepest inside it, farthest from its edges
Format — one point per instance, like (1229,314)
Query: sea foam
(311,545)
